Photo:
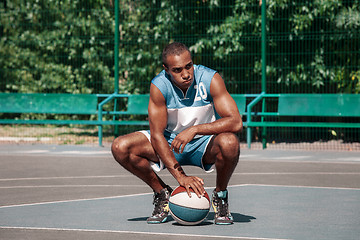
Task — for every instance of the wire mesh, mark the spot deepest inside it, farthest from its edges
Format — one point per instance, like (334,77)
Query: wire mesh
(68,47)
(56,47)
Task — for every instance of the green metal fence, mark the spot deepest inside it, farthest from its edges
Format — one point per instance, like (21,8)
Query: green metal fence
(69,47)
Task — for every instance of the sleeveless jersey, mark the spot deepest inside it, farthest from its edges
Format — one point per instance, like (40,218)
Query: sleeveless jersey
(196,107)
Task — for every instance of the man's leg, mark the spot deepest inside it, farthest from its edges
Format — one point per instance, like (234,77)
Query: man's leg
(134,152)
(224,152)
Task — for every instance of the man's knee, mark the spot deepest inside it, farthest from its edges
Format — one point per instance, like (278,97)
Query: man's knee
(120,148)
(229,142)
(229,147)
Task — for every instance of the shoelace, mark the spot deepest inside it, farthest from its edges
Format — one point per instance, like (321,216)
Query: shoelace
(222,207)
(159,202)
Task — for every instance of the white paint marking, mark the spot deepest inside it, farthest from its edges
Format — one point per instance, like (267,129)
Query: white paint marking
(169,175)
(69,177)
(69,186)
(142,194)
(145,233)
(75,200)
(293,186)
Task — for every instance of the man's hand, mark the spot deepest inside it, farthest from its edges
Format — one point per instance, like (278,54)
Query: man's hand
(183,138)
(196,183)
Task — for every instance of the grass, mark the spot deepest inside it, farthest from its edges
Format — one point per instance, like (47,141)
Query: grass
(51,134)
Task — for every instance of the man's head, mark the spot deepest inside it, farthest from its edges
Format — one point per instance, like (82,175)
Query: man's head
(177,62)
(175,48)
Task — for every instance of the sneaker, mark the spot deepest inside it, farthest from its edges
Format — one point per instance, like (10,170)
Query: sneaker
(161,209)
(221,208)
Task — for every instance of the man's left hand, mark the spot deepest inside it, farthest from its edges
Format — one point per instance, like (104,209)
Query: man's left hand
(183,138)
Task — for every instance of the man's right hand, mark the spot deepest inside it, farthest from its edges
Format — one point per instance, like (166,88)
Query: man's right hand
(196,183)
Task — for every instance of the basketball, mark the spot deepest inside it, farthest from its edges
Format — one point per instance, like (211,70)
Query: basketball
(186,210)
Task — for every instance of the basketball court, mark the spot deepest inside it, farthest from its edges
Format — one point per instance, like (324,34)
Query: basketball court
(77,192)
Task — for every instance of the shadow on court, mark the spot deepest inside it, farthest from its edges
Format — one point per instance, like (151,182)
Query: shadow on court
(238,218)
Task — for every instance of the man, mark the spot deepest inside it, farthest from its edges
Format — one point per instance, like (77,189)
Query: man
(192,120)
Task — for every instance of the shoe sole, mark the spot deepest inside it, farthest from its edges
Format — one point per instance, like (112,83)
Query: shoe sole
(157,222)
(224,223)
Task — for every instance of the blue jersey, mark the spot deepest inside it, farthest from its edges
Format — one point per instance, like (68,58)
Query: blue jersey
(194,108)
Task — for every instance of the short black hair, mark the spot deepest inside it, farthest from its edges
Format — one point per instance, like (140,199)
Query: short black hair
(175,48)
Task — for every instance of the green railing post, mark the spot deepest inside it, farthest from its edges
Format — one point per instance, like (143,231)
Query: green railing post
(263,65)
(116,73)
(100,116)
(116,62)
(116,48)
(248,121)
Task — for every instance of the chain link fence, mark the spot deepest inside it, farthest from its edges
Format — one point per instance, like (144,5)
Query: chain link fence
(68,47)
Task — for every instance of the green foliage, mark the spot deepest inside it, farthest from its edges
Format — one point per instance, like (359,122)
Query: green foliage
(68,46)
(308,44)
(56,46)
(146,27)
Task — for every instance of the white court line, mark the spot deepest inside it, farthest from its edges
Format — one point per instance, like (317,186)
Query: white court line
(127,185)
(34,151)
(145,233)
(300,173)
(69,186)
(67,154)
(81,152)
(169,175)
(320,161)
(80,157)
(75,200)
(68,177)
(349,159)
(248,155)
(87,199)
(58,152)
(293,157)
(293,186)
(142,194)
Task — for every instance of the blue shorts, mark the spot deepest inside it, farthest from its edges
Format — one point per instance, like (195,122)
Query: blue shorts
(192,154)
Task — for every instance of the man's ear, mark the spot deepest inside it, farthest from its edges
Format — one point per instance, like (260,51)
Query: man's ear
(166,68)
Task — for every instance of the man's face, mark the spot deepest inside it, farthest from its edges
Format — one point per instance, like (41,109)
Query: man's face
(181,69)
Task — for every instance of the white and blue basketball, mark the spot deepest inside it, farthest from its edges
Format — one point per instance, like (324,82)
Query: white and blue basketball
(186,210)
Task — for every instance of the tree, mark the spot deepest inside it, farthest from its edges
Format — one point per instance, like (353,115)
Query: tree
(67,46)
(56,46)
(312,46)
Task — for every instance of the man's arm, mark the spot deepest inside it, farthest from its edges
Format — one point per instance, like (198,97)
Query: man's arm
(158,122)
(225,106)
